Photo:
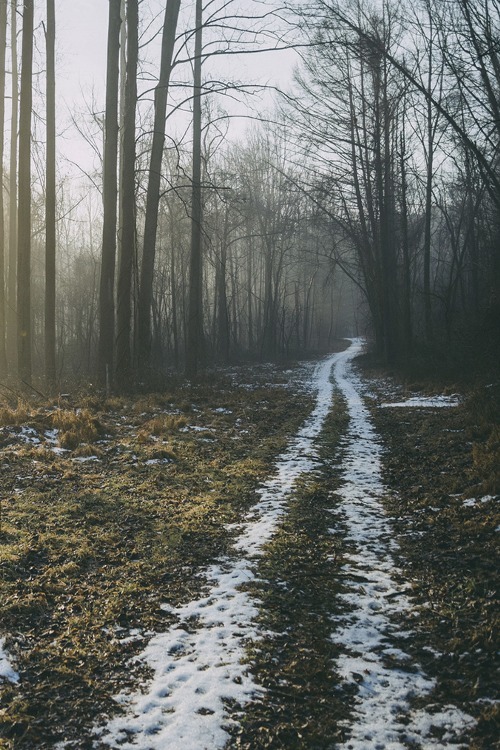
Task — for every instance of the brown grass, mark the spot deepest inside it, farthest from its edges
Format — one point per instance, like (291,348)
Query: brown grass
(14,417)
(76,427)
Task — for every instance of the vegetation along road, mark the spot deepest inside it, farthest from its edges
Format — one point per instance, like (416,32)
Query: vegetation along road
(304,559)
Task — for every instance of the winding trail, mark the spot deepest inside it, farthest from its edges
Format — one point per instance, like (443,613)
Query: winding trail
(375,595)
(198,665)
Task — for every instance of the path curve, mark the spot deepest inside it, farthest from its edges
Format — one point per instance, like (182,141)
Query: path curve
(197,664)
(385,677)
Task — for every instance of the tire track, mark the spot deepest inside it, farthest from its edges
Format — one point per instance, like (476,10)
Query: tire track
(385,677)
(198,664)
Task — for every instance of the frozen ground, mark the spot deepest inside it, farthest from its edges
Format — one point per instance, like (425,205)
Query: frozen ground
(200,679)
(199,665)
(376,598)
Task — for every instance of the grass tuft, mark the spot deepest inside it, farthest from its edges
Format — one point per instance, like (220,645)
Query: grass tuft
(76,427)
(14,417)
(164,424)
(486,461)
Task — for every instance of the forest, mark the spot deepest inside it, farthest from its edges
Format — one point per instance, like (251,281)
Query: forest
(249,374)
(360,197)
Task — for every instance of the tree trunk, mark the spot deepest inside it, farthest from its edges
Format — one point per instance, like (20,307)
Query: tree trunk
(12,274)
(110,193)
(428,203)
(405,246)
(24,209)
(50,204)
(222,332)
(250,293)
(127,200)
(195,312)
(153,192)
(3,40)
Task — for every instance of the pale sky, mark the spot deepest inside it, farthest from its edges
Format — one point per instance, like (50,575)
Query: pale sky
(81,63)
(81,44)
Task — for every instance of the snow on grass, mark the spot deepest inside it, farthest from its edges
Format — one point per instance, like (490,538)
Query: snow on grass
(472,501)
(197,665)
(425,402)
(385,677)
(7,673)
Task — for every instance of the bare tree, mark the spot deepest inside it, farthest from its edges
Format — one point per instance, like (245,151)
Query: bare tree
(12,273)
(154,177)
(195,314)
(24,209)
(3,42)
(127,199)
(50,202)
(110,197)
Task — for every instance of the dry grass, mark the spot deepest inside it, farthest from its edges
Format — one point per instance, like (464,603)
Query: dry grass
(76,427)
(15,417)
(448,547)
(90,547)
(486,462)
(164,424)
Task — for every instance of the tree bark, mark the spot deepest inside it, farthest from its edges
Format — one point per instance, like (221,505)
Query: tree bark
(127,200)
(153,191)
(110,195)
(195,311)
(3,40)
(24,208)
(50,203)
(12,273)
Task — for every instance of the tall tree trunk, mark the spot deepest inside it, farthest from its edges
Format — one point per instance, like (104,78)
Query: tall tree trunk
(50,203)
(3,41)
(427,232)
(24,209)
(173,292)
(110,195)
(387,231)
(428,199)
(222,327)
(250,292)
(127,199)
(222,332)
(195,312)
(153,191)
(12,274)
(268,346)
(405,246)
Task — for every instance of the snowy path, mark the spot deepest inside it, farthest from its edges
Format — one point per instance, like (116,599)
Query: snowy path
(197,664)
(385,676)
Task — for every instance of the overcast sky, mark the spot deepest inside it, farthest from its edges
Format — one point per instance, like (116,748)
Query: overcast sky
(81,62)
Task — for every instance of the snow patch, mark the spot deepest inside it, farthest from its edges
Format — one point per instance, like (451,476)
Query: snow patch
(7,672)
(472,501)
(198,664)
(425,402)
(386,678)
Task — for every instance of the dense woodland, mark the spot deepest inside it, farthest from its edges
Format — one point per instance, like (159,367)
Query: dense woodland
(365,200)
